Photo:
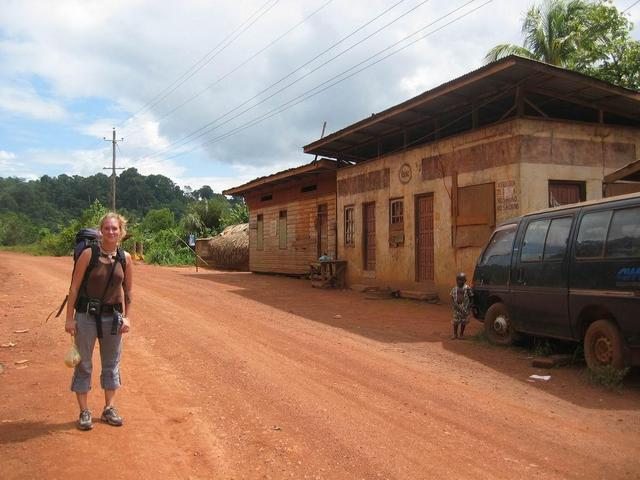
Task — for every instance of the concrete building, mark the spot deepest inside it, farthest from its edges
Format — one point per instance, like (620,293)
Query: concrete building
(421,185)
(292,217)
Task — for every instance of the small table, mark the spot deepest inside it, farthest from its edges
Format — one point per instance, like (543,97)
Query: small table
(328,273)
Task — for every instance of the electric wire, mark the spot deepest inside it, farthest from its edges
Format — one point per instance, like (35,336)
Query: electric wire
(631,6)
(206,59)
(327,84)
(237,67)
(186,139)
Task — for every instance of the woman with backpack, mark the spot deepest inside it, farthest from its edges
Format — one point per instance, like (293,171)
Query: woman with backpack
(99,306)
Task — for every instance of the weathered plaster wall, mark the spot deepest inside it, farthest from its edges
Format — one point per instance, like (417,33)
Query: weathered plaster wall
(519,156)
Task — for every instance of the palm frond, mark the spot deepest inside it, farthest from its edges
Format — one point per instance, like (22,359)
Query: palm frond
(504,50)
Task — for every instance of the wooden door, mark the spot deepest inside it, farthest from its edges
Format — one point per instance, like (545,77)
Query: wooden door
(322,230)
(369,231)
(424,238)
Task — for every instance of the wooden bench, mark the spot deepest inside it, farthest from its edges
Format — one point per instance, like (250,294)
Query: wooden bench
(328,274)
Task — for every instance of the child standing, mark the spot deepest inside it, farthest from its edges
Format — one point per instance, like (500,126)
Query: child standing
(462,299)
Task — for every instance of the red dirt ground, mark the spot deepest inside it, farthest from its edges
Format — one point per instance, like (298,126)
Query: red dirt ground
(233,375)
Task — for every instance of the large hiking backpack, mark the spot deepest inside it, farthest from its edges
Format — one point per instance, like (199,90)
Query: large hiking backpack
(88,238)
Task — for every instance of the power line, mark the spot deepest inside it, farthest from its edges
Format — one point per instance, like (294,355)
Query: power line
(207,58)
(237,67)
(317,90)
(631,6)
(307,95)
(185,139)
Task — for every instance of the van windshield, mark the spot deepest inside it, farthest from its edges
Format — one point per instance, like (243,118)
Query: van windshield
(499,249)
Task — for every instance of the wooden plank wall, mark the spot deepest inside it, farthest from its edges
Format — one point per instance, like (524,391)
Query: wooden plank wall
(301,236)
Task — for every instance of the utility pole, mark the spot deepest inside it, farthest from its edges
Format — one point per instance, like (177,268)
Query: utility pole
(113,169)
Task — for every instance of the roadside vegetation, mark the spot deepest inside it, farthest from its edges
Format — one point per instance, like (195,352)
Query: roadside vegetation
(589,36)
(41,217)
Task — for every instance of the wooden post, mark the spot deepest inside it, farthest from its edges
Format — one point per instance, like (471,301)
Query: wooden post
(519,102)
(454,207)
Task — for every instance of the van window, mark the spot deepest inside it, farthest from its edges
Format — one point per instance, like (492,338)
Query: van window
(593,230)
(624,234)
(499,249)
(533,246)
(557,239)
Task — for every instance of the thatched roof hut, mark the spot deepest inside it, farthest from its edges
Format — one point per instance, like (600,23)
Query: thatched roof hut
(227,251)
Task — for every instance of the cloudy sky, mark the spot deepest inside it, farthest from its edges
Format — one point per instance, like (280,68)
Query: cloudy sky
(218,92)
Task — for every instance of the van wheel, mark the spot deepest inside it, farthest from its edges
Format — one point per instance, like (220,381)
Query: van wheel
(603,346)
(498,326)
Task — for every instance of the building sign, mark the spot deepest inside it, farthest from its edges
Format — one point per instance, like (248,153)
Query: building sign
(507,196)
(405,173)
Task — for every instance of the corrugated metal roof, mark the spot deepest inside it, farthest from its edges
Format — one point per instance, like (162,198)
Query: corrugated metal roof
(488,91)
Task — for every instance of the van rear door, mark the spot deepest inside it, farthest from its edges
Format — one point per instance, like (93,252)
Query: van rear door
(539,276)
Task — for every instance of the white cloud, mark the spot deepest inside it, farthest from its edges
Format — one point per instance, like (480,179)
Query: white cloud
(125,54)
(4,155)
(27,102)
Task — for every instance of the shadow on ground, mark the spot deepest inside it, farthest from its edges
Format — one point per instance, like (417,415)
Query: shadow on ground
(21,431)
(410,322)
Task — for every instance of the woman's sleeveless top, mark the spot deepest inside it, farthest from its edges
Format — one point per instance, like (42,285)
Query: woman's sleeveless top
(98,279)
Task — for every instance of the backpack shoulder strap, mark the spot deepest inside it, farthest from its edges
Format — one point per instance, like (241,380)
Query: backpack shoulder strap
(122,258)
(93,261)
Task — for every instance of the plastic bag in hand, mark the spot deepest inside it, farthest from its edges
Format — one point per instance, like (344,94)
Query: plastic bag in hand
(72,358)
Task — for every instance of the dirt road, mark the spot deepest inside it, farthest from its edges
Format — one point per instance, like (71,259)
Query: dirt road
(233,375)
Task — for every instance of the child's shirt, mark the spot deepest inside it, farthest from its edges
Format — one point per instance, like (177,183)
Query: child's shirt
(462,299)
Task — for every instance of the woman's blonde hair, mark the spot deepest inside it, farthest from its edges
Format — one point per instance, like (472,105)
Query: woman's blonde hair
(121,221)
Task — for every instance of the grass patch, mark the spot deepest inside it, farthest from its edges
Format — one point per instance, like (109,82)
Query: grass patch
(541,347)
(609,377)
(33,249)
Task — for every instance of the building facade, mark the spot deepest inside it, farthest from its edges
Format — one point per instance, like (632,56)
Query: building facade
(292,218)
(421,186)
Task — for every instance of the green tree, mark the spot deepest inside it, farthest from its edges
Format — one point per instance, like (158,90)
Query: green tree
(156,220)
(591,37)
(235,215)
(607,50)
(549,33)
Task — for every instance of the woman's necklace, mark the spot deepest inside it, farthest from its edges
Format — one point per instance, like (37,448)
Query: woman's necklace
(109,255)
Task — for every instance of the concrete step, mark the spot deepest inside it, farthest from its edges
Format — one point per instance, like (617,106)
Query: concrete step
(364,288)
(427,296)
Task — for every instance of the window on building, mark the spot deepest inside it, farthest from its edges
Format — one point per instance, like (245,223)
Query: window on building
(260,232)
(475,215)
(566,192)
(623,240)
(282,230)
(309,188)
(396,222)
(266,198)
(592,234)
(349,226)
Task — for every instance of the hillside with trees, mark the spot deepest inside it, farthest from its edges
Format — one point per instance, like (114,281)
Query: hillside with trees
(43,215)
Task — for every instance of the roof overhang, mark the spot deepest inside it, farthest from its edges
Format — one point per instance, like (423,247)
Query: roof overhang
(628,173)
(490,94)
(324,165)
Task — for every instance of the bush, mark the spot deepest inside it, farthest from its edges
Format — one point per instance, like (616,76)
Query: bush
(608,377)
(165,248)
(17,229)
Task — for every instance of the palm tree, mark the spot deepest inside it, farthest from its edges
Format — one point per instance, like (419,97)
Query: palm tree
(550,32)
